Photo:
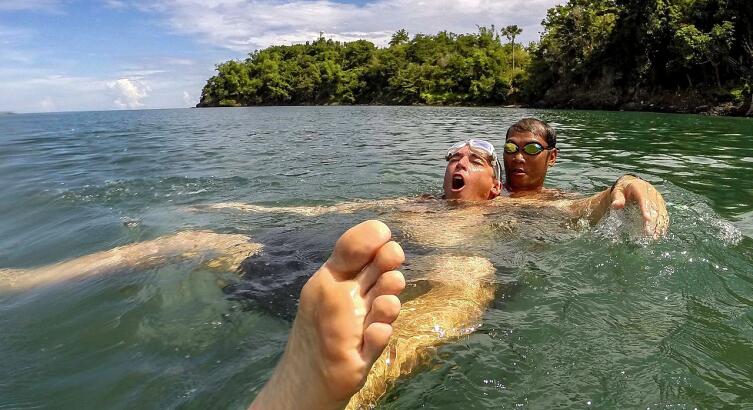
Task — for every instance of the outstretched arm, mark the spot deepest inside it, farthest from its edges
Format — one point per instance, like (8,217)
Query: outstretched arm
(217,250)
(343,208)
(627,189)
(462,288)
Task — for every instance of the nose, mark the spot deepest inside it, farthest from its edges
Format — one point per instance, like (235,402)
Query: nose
(463,163)
(518,157)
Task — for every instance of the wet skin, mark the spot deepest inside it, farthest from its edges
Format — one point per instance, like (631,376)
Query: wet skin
(524,172)
(469,176)
(343,324)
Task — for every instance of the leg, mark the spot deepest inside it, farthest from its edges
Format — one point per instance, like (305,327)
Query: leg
(462,289)
(342,324)
(144,255)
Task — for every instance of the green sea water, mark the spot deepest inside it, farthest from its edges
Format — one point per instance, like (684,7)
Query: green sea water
(583,317)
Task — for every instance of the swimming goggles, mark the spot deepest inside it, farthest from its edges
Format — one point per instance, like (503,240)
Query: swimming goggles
(481,145)
(532,148)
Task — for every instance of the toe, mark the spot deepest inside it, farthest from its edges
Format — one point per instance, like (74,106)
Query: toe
(389,257)
(385,309)
(375,339)
(390,283)
(357,247)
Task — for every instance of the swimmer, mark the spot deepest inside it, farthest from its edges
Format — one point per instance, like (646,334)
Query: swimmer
(531,149)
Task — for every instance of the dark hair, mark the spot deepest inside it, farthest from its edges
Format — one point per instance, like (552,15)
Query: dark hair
(536,127)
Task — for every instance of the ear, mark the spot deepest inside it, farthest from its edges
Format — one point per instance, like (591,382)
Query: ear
(552,157)
(496,189)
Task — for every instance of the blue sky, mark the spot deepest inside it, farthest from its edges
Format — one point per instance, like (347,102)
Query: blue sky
(77,55)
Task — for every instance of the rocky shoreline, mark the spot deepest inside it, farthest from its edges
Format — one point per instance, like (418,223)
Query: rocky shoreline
(713,103)
(725,109)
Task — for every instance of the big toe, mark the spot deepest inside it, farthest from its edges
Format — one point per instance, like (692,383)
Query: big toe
(357,247)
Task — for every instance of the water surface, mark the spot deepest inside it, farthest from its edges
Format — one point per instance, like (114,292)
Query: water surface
(581,315)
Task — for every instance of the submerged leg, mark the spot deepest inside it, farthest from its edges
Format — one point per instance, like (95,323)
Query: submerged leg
(224,248)
(462,288)
(342,325)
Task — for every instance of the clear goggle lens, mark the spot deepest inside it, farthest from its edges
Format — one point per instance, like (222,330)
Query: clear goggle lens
(481,145)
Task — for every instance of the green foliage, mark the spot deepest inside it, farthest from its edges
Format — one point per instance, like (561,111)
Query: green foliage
(400,37)
(619,50)
(629,45)
(740,94)
(445,68)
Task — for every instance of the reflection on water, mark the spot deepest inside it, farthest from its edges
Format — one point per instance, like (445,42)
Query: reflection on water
(701,154)
(581,315)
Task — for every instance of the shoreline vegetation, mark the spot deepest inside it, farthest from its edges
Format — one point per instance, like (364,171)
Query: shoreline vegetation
(682,56)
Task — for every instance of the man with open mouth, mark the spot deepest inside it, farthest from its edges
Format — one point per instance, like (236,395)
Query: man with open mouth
(473,171)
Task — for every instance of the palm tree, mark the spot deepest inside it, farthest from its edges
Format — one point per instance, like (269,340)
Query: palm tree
(511,32)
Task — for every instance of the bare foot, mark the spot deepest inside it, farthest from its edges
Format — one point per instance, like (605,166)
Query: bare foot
(343,323)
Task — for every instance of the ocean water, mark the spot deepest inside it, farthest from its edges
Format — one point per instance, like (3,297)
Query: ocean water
(583,317)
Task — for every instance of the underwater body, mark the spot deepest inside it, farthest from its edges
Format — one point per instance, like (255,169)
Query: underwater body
(582,316)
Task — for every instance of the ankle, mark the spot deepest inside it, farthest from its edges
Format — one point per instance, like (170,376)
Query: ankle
(296,382)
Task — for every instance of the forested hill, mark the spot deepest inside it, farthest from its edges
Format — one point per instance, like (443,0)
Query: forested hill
(669,55)
(430,69)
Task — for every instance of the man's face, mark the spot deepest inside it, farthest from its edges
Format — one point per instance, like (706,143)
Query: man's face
(469,176)
(524,172)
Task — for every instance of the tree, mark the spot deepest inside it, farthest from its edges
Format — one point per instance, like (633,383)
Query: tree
(511,32)
(722,37)
(691,45)
(748,47)
(400,37)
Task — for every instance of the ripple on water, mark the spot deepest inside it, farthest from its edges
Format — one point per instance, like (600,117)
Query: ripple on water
(581,315)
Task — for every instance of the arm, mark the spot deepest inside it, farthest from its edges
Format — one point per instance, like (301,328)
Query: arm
(227,251)
(343,208)
(627,189)
(462,288)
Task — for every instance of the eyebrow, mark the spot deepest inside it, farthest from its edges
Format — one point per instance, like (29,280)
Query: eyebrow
(473,154)
(528,141)
(483,156)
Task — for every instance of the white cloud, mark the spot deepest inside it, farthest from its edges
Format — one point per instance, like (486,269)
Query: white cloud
(18,5)
(116,4)
(34,89)
(129,92)
(140,73)
(244,25)
(48,104)
(188,99)
(179,61)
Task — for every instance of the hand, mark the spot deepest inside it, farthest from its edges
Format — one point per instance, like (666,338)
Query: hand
(651,203)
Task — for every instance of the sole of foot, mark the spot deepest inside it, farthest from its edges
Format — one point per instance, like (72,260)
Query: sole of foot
(343,323)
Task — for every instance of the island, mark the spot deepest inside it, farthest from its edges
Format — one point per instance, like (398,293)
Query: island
(693,56)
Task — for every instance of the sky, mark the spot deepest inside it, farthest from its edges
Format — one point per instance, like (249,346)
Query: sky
(79,55)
